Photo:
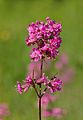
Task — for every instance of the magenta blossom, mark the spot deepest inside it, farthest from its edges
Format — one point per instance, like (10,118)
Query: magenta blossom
(57,112)
(27,83)
(19,88)
(4,110)
(43,80)
(46,37)
(25,86)
(36,55)
(55,85)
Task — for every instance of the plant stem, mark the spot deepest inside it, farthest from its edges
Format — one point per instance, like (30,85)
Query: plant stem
(40,91)
(44,92)
(40,108)
(34,85)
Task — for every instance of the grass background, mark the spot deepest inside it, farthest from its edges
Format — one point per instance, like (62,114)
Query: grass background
(15,15)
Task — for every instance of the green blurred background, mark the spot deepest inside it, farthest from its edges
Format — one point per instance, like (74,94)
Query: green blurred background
(15,15)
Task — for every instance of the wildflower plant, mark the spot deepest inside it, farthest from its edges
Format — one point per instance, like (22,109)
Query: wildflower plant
(4,110)
(45,37)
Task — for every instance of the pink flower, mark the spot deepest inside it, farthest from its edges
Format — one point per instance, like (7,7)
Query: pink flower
(27,83)
(55,42)
(55,85)
(19,87)
(46,37)
(4,111)
(57,112)
(30,40)
(43,80)
(49,51)
(46,113)
(46,99)
(36,55)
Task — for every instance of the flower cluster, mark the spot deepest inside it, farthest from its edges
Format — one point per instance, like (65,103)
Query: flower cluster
(4,110)
(25,86)
(52,85)
(46,37)
(55,85)
(56,113)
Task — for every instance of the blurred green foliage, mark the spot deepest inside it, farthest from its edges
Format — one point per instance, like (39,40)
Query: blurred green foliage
(15,15)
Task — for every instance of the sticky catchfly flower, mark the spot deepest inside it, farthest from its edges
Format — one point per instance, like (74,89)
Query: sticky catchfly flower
(55,85)
(46,37)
